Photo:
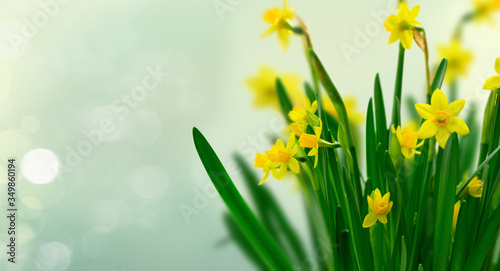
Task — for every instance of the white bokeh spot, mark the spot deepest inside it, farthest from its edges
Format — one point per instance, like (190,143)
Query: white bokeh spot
(40,166)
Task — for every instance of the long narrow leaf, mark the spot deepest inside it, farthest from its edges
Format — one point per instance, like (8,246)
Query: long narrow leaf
(260,238)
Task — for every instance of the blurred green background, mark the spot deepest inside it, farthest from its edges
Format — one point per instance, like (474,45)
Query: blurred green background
(98,99)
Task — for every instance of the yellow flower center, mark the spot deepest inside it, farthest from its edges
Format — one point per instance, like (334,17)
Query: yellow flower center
(442,118)
(308,141)
(404,25)
(278,154)
(409,138)
(380,206)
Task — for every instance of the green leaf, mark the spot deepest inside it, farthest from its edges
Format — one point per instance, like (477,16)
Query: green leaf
(270,212)
(261,240)
(396,111)
(371,147)
(445,203)
(485,242)
(437,82)
(380,117)
(285,103)
(463,185)
(334,95)
(240,239)
(310,92)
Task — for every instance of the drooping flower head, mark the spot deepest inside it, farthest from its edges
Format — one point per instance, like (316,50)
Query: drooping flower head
(401,25)
(312,142)
(493,82)
(441,118)
(300,118)
(263,85)
(278,159)
(483,9)
(459,59)
(475,187)
(280,22)
(408,141)
(379,208)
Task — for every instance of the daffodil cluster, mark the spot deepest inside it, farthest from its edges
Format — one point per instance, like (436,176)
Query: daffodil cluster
(415,179)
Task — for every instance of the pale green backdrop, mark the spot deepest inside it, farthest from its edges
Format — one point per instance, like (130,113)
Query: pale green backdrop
(110,90)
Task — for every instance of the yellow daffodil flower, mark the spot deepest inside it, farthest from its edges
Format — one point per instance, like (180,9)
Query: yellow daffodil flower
(312,141)
(280,22)
(458,58)
(456,209)
(493,82)
(408,141)
(483,9)
(299,117)
(441,118)
(278,159)
(263,85)
(354,116)
(379,208)
(401,25)
(475,187)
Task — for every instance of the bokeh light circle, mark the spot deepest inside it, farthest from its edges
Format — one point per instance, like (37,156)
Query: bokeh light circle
(40,166)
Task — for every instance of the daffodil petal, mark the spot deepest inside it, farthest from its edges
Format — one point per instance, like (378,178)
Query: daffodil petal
(291,141)
(382,218)
(284,38)
(425,111)
(391,23)
(269,31)
(403,11)
(315,160)
(457,125)
(280,143)
(370,202)
(406,38)
(492,83)
(406,152)
(497,61)
(389,208)
(427,130)
(377,194)
(271,15)
(438,100)
(265,178)
(387,196)
(294,165)
(370,220)
(456,107)
(442,136)
(412,15)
